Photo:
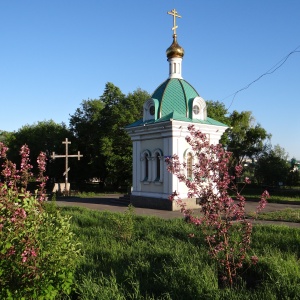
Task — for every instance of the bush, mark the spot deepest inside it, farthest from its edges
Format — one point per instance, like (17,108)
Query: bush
(38,252)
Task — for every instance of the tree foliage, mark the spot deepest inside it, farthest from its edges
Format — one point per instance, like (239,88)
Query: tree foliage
(280,152)
(5,136)
(217,111)
(116,143)
(46,136)
(272,168)
(99,128)
(85,124)
(244,138)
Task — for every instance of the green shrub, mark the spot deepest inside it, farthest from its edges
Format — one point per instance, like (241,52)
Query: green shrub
(38,252)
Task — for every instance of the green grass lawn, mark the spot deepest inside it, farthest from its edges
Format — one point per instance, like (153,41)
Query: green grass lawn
(275,198)
(125,256)
(277,195)
(285,215)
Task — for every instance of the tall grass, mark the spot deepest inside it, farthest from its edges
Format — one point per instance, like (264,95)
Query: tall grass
(131,257)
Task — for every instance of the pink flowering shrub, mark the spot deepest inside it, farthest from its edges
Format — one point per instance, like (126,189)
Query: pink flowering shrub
(223,220)
(38,254)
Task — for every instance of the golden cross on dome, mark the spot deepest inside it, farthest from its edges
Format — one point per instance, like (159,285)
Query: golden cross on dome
(174,13)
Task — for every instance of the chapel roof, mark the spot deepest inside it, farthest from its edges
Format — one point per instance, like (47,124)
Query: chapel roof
(176,117)
(174,95)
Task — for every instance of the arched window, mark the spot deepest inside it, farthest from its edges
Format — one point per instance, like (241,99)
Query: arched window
(189,165)
(146,161)
(157,165)
(157,161)
(145,166)
(197,108)
(150,110)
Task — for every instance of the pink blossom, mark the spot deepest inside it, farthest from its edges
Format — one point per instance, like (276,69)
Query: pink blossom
(263,201)
(238,170)
(254,259)
(41,160)
(33,253)
(29,252)
(24,256)
(25,165)
(3,150)
(20,212)
(11,251)
(247,180)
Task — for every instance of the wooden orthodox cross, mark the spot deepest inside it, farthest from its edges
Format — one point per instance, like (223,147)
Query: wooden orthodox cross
(67,169)
(174,13)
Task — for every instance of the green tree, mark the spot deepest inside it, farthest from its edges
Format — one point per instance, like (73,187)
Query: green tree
(119,111)
(217,111)
(280,152)
(244,138)
(99,128)
(85,124)
(46,136)
(271,169)
(4,136)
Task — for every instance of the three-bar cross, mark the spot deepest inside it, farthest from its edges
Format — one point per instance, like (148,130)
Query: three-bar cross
(174,13)
(67,169)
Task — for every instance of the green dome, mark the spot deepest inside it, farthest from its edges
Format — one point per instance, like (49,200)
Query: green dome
(173,95)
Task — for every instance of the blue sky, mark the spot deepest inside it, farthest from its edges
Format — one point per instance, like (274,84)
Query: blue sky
(56,53)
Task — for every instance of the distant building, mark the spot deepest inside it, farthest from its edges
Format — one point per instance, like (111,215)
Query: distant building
(161,133)
(295,164)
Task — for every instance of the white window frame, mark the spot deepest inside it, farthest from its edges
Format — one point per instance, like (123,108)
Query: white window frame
(158,155)
(200,102)
(188,153)
(146,110)
(146,166)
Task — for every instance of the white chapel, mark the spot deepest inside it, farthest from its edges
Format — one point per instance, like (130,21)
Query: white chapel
(173,106)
